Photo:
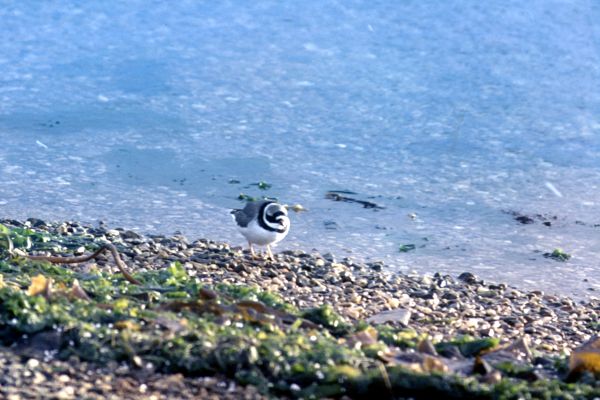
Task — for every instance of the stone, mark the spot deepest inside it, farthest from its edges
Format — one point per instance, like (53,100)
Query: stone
(401,315)
(468,277)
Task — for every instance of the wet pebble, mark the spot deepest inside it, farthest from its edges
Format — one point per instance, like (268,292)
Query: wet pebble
(438,305)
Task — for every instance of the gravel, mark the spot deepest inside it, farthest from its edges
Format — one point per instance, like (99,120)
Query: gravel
(22,377)
(439,305)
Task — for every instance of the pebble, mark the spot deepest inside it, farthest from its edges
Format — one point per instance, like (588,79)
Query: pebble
(319,289)
(400,315)
(439,305)
(73,379)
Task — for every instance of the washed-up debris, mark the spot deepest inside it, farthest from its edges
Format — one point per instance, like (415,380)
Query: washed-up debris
(248,198)
(40,285)
(285,332)
(467,346)
(336,195)
(585,358)
(75,260)
(330,225)
(405,248)
(77,291)
(23,238)
(245,310)
(262,185)
(524,219)
(527,219)
(558,255)
(296,208)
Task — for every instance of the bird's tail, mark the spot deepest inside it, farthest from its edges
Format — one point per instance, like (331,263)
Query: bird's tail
(234,212)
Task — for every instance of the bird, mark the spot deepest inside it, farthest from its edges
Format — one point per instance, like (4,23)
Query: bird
(263,222)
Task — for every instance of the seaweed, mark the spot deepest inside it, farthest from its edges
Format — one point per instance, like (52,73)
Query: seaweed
(338,195)
(467,345)
(558,255)
(171,322)
(262,185)
(405,248)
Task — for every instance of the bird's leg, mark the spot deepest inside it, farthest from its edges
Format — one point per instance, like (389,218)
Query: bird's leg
(270,254)
(252,250)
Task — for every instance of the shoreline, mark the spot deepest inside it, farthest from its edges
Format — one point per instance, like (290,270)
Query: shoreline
(439,308)
(526,272)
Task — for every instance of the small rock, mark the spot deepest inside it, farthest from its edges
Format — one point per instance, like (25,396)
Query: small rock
(492,378)
(468,277)
(329,257)
(32,363)
(393,303)
(319,289)
(68,392)
(401,315)
(450,296)
(524,219)
(130,235)
(425,346)
(38,378)
(36,223)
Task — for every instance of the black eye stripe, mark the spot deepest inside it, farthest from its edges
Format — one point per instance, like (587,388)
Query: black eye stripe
(274,218)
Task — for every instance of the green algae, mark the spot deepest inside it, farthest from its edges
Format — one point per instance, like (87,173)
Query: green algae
(328,318)
(558,255)
(262,185)
(467,345)
(405,248)
(174,323)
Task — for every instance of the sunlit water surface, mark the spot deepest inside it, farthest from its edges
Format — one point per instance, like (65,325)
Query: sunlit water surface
(447,115)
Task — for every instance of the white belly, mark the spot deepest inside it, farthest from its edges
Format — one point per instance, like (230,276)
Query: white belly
(257,235)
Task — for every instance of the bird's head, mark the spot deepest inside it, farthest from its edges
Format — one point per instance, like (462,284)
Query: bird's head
(276,216)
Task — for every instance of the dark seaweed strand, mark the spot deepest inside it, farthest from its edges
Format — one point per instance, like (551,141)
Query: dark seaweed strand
(75,260)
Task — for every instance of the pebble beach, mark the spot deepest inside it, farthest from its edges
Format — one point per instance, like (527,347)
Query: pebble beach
(441,307)
(445,154)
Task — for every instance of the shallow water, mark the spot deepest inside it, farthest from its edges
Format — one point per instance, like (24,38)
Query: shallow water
(447,115)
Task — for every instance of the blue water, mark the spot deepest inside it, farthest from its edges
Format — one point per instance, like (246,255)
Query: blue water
(447,114)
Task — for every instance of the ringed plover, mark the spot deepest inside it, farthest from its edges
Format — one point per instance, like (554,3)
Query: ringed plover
(263,223)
